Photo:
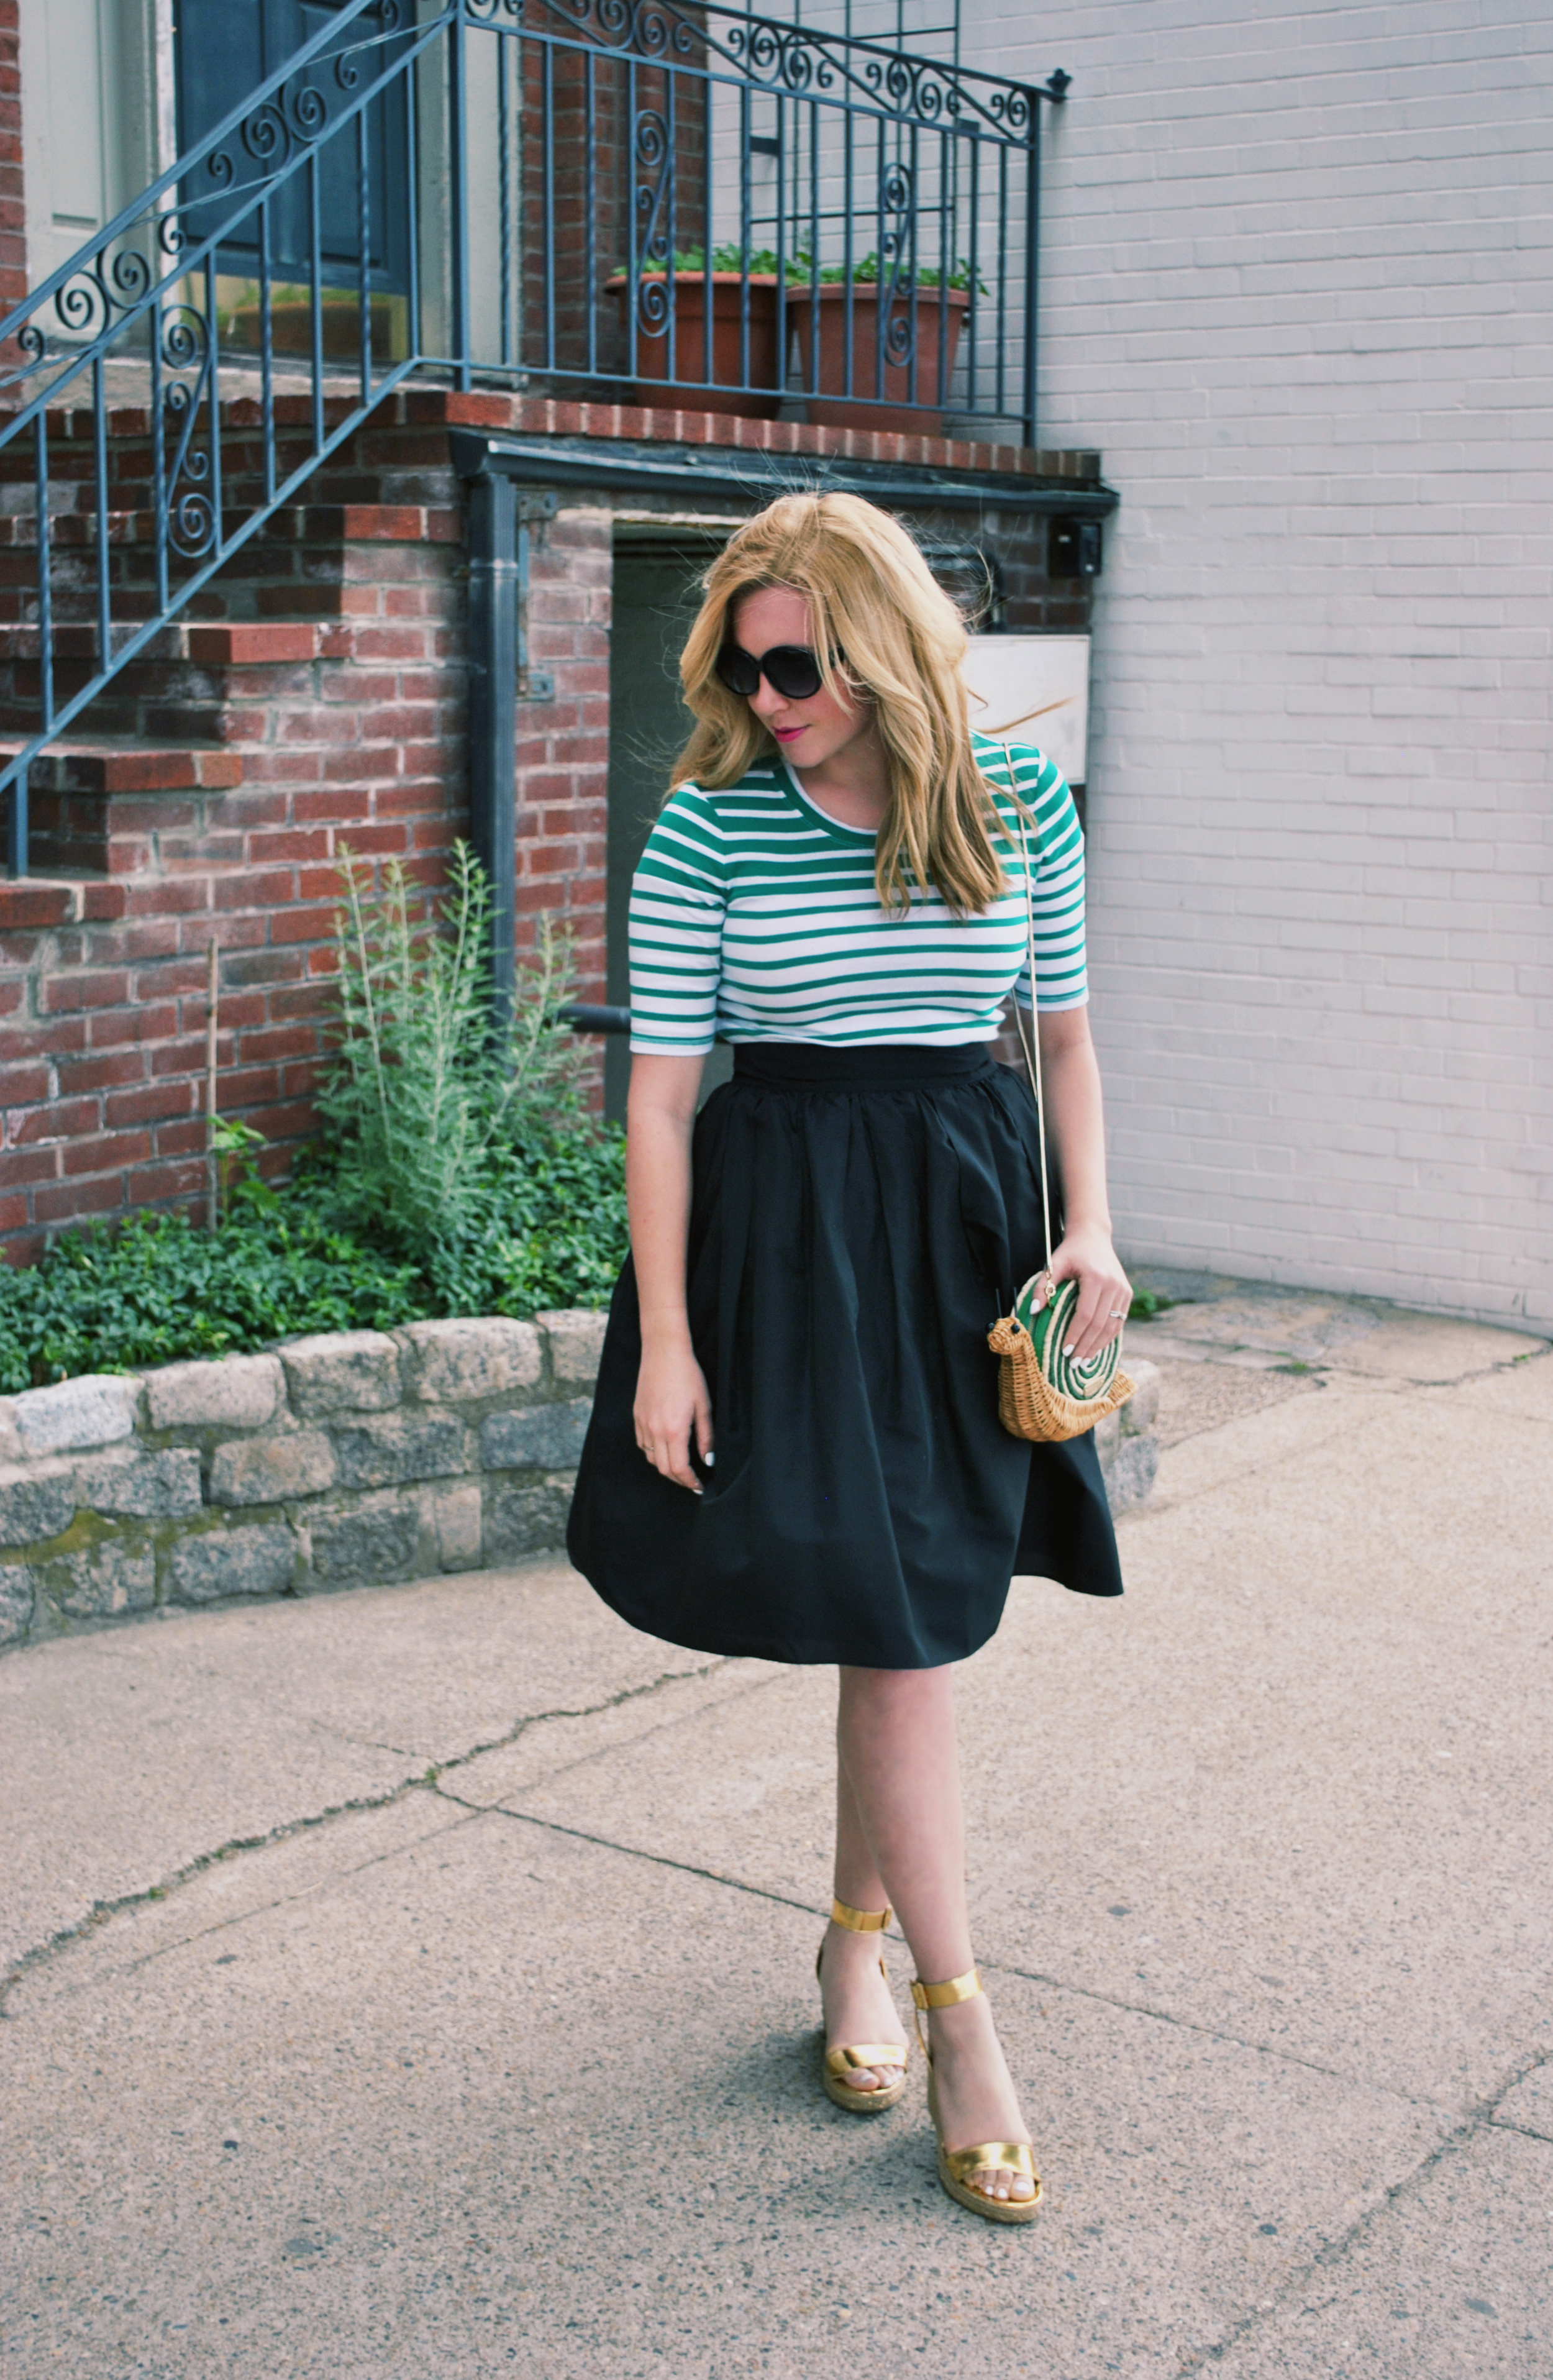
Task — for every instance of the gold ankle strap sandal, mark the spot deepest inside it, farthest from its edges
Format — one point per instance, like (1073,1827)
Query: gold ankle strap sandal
(958,2167)
(859,2057)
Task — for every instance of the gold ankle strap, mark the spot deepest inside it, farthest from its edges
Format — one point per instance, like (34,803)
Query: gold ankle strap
(950,1994)
(859,1921)
(937,1996)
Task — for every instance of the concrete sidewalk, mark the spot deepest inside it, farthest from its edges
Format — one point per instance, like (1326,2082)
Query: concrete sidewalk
(419,1981)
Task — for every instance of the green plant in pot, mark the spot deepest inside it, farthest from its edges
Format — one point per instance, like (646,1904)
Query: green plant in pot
(838,307)
(739,381)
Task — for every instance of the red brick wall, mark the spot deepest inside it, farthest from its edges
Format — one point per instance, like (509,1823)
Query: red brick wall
(13,211)
(214,797)
(357,743)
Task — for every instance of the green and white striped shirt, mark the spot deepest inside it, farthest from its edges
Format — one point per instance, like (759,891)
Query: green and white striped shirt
(754,917)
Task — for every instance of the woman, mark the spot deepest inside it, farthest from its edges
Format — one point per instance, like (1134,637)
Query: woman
(795,1450)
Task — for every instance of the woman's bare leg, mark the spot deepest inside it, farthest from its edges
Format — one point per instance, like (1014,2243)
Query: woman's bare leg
(859,2006)
(898,1755)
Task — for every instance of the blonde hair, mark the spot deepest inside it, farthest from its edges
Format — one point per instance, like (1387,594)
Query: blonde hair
(872,597)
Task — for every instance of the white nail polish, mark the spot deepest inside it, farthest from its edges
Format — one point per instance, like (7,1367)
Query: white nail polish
(709,1460)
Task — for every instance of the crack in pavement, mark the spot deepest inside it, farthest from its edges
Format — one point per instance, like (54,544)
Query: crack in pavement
(1171,1499)
(1477,2119)
(991,1965)
(1175,1348)
(426,1779)
(1483,2114)
(262,1908)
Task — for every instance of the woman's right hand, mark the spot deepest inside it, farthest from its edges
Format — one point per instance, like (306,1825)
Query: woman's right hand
(673,1409)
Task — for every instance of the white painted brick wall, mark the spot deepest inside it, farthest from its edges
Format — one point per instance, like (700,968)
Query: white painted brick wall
(1297,266)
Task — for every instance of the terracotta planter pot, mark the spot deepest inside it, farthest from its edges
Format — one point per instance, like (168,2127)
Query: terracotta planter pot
(924,417)
(649,353)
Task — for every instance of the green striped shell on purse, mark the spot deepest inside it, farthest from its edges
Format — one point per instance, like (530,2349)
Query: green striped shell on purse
(1042,1392)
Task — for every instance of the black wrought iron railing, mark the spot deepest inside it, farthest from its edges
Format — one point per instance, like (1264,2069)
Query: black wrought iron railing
(600,196)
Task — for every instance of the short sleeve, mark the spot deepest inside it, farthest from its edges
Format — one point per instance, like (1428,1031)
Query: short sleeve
(678,901)
(1056,843)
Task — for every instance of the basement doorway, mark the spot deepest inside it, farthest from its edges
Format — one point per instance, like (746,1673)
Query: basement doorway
(657,594)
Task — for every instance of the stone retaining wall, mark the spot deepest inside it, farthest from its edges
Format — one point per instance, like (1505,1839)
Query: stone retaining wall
(355,1458)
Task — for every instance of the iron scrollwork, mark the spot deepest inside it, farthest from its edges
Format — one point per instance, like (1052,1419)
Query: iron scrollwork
(897,279)
(654,153)
(143,293)
(116,282)
(649,30)
(798,61)
(187,346)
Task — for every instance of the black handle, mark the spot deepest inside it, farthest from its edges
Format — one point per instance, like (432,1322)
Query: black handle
(582,1019)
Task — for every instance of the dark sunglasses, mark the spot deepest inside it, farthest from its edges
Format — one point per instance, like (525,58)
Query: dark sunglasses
(792,671)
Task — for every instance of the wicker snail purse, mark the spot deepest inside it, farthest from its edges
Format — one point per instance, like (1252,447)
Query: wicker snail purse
(1042,1392)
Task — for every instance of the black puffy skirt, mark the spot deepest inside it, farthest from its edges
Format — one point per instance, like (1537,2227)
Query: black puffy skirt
(859,1218)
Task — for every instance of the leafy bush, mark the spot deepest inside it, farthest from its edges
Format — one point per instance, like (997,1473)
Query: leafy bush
(461,1175)
(159,1289)
(925,276)
(283,1263)
(426,1099)
(554,1233)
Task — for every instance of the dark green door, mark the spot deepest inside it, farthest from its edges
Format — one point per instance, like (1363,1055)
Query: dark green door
(656,598)
(224,49)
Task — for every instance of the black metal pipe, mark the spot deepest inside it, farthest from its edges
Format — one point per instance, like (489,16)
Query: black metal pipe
(1032,277)
(492,708)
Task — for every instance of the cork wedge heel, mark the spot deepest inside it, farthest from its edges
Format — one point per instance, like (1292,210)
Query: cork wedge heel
(853,2058)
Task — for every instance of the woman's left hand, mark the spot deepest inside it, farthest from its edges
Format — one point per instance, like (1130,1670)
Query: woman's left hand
(1104,1291)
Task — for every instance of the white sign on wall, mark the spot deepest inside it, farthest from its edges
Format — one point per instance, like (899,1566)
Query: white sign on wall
(1033,690)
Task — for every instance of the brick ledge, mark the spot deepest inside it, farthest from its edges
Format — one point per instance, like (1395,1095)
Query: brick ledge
(489,409)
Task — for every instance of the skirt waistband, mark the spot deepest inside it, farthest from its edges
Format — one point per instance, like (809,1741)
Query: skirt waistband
(880,1065)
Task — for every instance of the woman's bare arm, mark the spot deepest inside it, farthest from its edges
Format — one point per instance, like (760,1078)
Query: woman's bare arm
(1077,1147)
(672,1399)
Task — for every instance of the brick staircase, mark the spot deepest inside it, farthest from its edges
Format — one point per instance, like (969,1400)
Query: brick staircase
(326,633)
(311,701)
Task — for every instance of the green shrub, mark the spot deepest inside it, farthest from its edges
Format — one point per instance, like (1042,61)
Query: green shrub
(283,1263)
(554,1233)
(425,1100)
(158,1290)
(460,1174)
